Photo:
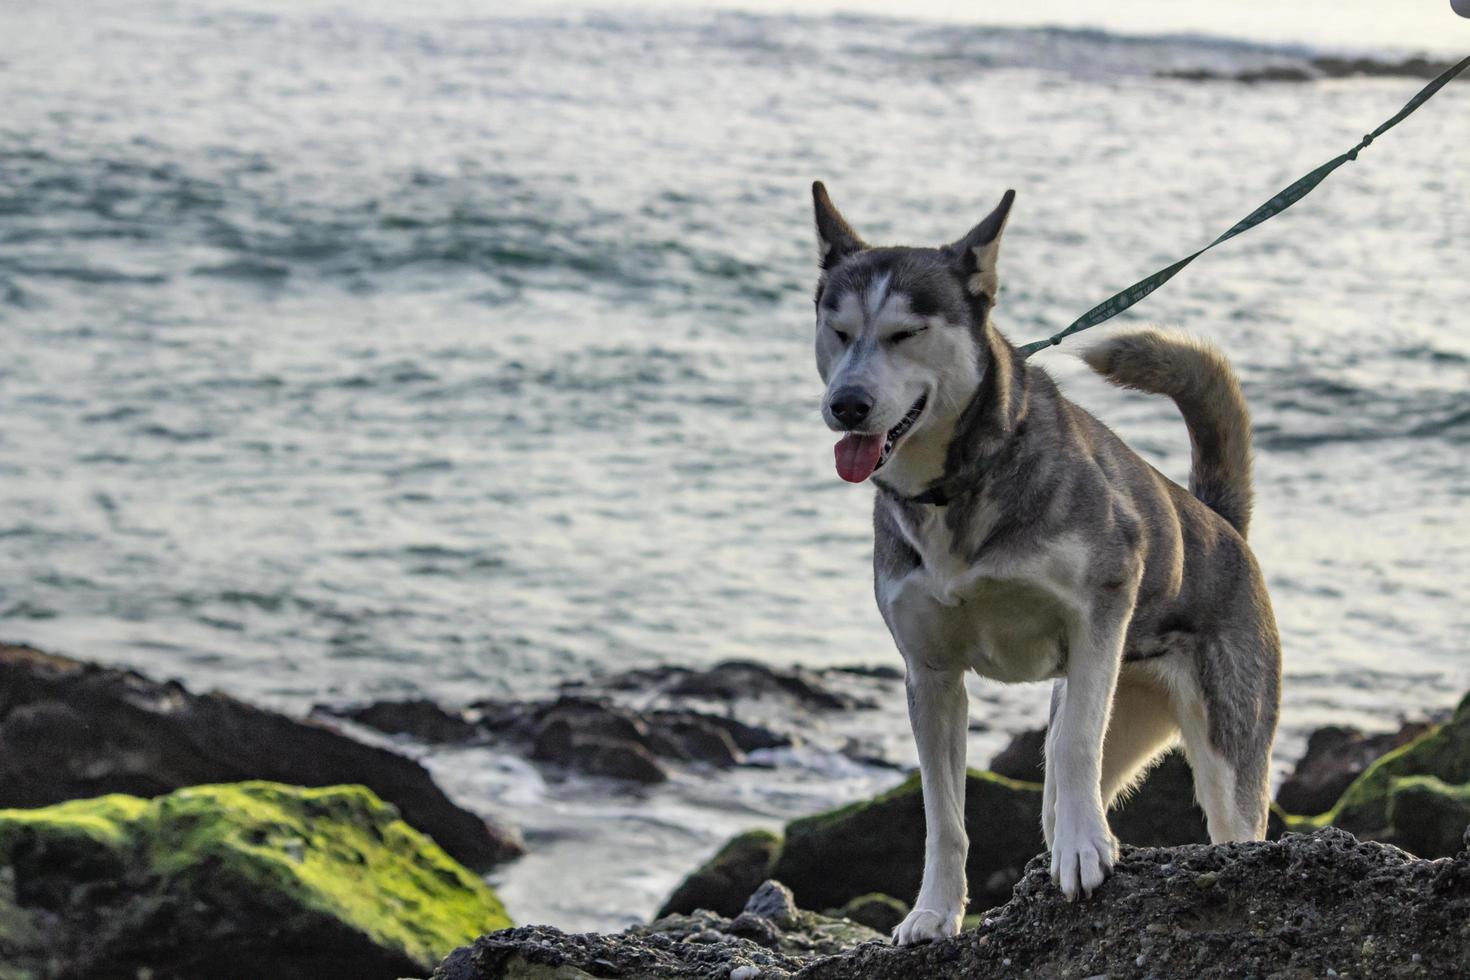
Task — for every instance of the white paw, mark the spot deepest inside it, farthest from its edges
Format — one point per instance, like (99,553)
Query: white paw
(927,925)
(1082,855)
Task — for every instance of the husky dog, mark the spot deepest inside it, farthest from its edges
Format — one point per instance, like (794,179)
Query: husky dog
(1017,536)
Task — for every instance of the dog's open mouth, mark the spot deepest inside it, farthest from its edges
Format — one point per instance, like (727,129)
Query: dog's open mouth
(859,454)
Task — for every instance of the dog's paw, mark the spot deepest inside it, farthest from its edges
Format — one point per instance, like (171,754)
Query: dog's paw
(927,925)
(1082,856)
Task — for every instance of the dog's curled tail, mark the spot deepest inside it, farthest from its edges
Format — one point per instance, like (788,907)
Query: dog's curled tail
(1199,379)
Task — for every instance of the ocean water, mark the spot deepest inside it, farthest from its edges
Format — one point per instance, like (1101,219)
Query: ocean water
(385,350)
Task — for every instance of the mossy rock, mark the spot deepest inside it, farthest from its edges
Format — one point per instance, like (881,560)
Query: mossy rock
(877,845)
(236,880)
(1428,816)
(1366,809)
(724,882)
(874,910)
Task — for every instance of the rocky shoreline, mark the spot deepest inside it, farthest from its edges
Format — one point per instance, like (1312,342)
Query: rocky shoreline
(155,830)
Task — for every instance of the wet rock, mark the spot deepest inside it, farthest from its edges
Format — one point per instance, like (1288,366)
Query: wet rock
(1315,69)
(71,730)
(773,901)
(736,679)
(1162,811)
(724,882)
(1335,756)
(231,881)
(418,718)
(1304,906)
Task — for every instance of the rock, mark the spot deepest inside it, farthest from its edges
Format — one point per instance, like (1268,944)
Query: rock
(736,679)
(874,910)
(241,880)
(773,901)
(418,718)
(1443,752)
(71,730)
(702,945)
(1304,906)
(877,845)
(1335,756)
(1162,811)
(723,883)
(1024,758)
(1428,816)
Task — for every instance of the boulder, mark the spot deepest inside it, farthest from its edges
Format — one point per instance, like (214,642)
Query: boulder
(72,730)
(1335,756)
(1367,807)
(724,882)
(877,845)
(1305,906)
(874,910)
(1023,758)
(243,880)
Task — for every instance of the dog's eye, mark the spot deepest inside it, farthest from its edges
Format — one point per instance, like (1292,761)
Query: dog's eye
(903,335)
(843,338)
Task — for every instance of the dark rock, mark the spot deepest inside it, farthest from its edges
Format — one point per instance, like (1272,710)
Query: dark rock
(597,755)
(1162,811)
(1315,69)
(877,845)
(724,882)
(773,901)
(71,730)
(417,718)
(1335,756)
(736,679)
(1024,758)
(1428,816)
(1301,907)
(879,912)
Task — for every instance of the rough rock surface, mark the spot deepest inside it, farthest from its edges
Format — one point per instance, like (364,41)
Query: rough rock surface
(770,937)
(1299,908)
(241,880)
(72,730)
(1335,756)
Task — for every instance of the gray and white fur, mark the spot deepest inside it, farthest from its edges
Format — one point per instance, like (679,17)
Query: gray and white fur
(1042,548)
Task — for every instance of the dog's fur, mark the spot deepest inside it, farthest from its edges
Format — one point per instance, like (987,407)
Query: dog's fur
(1055,553)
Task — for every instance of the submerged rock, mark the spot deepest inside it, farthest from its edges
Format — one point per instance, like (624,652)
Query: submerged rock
(632,726)
(242,880)
(1301,907)
(73,730)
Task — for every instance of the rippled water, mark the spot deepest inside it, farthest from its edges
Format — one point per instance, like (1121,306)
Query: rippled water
(366,352)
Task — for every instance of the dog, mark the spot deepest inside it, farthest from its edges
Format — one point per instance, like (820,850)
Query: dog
(1017,536)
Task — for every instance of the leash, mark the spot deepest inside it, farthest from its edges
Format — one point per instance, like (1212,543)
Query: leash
(1119,302)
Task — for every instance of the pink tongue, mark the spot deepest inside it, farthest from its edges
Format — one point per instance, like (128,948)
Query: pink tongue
(857,456)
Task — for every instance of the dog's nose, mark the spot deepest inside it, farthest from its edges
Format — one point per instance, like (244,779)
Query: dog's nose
(851,406)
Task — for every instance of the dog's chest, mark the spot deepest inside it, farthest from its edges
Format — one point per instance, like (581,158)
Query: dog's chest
(1005,616)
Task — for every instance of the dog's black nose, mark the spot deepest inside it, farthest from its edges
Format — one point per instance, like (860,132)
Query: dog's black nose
(851,406)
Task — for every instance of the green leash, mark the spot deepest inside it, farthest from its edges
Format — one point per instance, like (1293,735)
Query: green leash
(1119,302)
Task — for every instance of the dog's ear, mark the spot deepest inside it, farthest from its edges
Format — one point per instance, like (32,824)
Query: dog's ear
(976,253)
(835,238)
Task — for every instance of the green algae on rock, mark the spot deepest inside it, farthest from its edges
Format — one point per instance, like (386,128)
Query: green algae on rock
(1380,800)
(725,881)
(234,880)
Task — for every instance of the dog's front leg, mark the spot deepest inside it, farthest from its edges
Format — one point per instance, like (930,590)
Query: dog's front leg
(1082,848)
(939,714)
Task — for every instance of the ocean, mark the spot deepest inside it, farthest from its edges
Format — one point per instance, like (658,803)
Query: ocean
(455,350)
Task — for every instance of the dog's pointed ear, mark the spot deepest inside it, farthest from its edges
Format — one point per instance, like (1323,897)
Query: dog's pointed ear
(835,238)
(976,253)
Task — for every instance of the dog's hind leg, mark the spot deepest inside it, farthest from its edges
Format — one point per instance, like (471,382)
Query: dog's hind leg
(939,714)
(1228,721)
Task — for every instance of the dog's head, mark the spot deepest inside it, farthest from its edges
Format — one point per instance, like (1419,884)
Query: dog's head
(901,334)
